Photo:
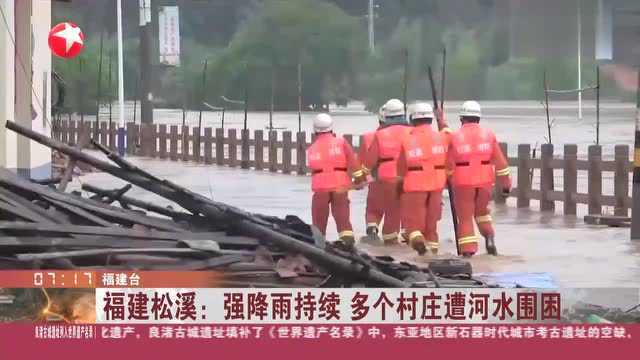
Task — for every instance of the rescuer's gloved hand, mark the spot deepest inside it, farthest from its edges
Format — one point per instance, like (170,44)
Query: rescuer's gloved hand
(442,123)
(505,182)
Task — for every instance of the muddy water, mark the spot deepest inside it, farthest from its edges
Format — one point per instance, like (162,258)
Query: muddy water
(513,121)
(575,254)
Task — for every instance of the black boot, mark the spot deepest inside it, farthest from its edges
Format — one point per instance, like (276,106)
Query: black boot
(490,245)
(372,236)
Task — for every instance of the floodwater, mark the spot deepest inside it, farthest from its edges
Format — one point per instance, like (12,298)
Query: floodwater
(573,253)
(514,122)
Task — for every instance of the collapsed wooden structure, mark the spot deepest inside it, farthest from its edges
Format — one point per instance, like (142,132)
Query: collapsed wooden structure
(43,227)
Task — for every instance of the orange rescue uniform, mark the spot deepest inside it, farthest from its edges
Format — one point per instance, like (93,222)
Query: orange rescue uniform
(476,158)
(422,164)
(383,155)
(332,162)
(374,210)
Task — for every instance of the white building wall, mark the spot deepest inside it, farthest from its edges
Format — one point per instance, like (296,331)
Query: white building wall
(39,161)
(7,85)
(41,24)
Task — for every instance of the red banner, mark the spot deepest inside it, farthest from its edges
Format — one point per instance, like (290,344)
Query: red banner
(22,341)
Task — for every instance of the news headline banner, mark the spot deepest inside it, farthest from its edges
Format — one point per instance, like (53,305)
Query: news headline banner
(301,306)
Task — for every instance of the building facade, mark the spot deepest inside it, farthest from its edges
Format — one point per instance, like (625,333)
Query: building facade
(25,85)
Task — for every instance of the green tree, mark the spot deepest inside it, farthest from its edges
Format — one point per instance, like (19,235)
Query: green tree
(276,37)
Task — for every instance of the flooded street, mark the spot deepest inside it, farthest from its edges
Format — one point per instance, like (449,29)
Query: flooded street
(572,253)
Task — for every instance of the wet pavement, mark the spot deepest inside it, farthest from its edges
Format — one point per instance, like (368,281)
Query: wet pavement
(574,254)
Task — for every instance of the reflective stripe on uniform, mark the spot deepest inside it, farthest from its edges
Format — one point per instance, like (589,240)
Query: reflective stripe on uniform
(447,130)
(484,219)
(392,236)
(433,245)
(503,172)
(358,173)
(372,225)
(345,233)
(415,234)
(449,172)
(468,240)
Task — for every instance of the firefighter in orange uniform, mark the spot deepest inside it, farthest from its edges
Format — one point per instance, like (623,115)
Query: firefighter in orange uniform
(332,162)
(422,164)
(383,157)
(374,206)
(476,158)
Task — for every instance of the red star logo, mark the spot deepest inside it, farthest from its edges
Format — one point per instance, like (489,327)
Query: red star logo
(66,40)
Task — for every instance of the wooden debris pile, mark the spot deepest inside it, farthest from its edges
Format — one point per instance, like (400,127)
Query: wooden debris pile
(44,227)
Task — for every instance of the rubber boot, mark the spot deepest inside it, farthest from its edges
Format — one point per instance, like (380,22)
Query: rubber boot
(432,249)
(372,236)
(348,241)
(490,245)
(390,239)
(417,244)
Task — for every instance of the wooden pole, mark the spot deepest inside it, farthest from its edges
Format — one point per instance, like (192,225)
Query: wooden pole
(99,90)
(81,63)
(454,216)
(246,96)
(273,82)
(597,105)
(204,84)
(444,77)
(635,211)
(546,106)
(110,89)
(135,98)
(406,80)
(299,96)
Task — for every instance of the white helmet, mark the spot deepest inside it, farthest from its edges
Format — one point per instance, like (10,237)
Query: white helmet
(393,107)
(323,123)
(471,108)
(421,110)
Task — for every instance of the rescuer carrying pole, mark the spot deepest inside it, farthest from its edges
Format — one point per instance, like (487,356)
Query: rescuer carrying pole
(476,158)
(332,162)
(422,165)
(374,207)
(383,157)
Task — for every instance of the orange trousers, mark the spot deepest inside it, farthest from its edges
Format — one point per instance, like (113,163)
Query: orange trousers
(391,209)
(470,203)
(338,202)
(421,212)
(375,204)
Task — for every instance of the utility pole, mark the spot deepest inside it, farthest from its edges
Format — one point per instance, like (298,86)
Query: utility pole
(299,96)
(120,137)
(372,43)
(273,88)
(635,206)
(579,61)
(146,73)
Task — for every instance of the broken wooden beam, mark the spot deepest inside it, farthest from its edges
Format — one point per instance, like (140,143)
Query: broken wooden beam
(608,220)
(241,221)
(137,203)
(59,229)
